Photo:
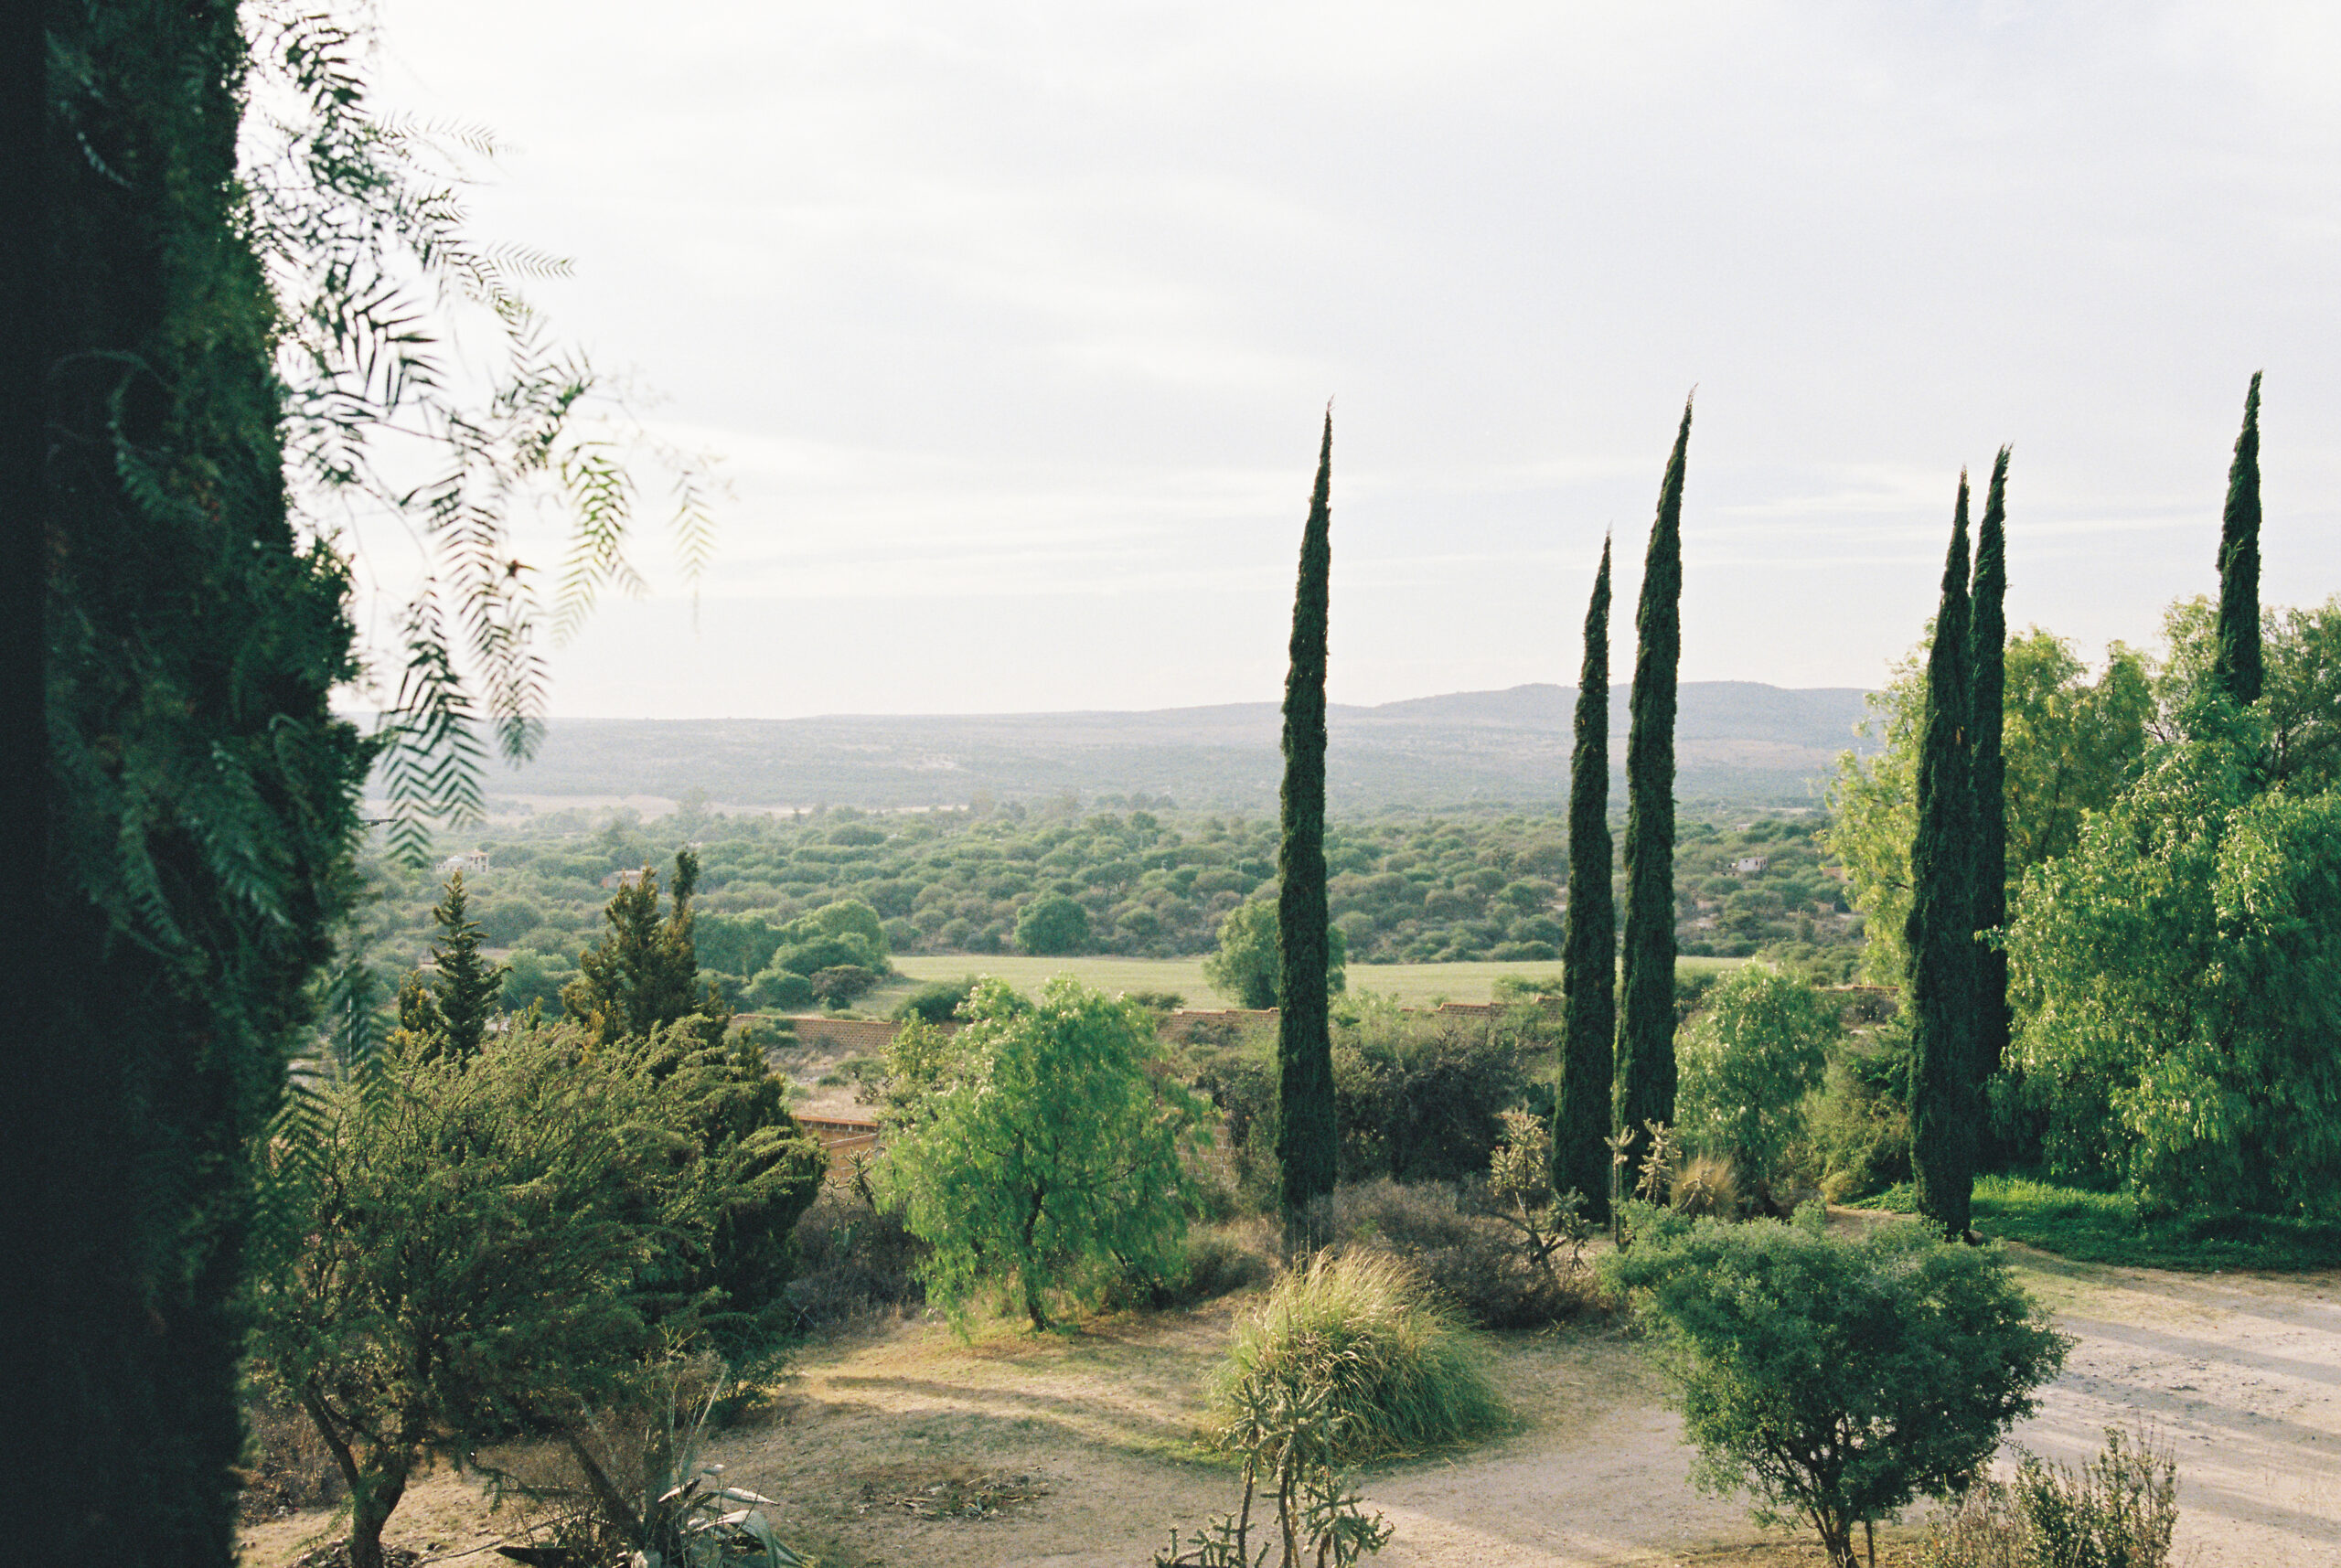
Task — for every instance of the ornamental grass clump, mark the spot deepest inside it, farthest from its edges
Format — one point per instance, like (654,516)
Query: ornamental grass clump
(1397,1370)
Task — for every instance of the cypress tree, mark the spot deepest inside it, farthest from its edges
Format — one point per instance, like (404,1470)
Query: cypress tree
(1988,667)
(1589,945)
(1645,1064)
(1306,1133)
(1941,926)
(2237,671)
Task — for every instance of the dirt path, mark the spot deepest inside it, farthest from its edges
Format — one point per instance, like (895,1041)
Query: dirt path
(2243,1373)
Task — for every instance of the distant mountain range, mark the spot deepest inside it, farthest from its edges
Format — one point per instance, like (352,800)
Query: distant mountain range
(1737,743)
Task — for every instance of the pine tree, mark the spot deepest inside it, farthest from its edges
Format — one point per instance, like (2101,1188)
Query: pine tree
(644,973)
(450,1011)
(1941,926)
(2237,672)
(1645,1064)
(1306,1132)
(1589,944)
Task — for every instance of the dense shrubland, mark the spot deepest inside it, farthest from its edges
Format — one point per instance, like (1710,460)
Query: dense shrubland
(1145,885)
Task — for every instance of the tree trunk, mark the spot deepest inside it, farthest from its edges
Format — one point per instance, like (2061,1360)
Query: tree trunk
(370,1510)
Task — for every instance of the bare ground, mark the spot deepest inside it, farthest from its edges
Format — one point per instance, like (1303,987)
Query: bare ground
(2242,1373)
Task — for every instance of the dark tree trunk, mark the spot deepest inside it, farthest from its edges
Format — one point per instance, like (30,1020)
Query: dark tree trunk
(1306,1135)
(1942,925)
(1645,1067)
(1590,946)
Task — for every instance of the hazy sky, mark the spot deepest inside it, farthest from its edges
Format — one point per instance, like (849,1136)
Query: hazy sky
(1014,322)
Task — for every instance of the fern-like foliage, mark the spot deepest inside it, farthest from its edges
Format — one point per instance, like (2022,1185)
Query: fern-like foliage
(359,218)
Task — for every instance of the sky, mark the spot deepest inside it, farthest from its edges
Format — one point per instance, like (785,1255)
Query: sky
(1012,325)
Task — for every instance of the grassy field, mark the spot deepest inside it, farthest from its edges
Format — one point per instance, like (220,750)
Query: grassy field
(1415,984)
(2106,1227)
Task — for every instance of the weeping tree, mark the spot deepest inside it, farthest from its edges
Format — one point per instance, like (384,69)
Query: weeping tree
(1589,953)
(1940,930)
(1645,1059)
(1988,665)
(2237,672)
(1307,1137)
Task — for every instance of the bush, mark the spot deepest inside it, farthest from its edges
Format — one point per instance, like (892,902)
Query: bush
(1418,1099)
(1212,1264)
(1748,1061)
(1362,1333)
(776,988)
(1837,1380)
(842,984)
(1468,1257)
(2119,1511)
(935,1002)
(1860,1123)
(855,1261)
(1052,924)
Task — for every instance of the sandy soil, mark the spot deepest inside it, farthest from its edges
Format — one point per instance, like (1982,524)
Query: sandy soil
(2243,1374)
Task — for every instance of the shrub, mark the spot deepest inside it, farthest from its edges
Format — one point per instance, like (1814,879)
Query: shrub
(855,1261)
(1861,1120)
(1836,1380)
(935,1002)
(1707,1186)
(1748,1061)
(1052,924)
(2119,1511)
(1360,1335)
(1037,1149)
(842,984)
(777,987)
(1418,1099)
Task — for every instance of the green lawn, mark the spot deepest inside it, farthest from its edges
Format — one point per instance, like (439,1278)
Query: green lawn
(2106,1227)
(1415,984)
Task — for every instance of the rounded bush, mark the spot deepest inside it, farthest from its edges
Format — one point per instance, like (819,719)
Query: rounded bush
(1398,1367)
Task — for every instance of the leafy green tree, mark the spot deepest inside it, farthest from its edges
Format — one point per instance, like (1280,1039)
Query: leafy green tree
(2298,716)
(1052,924)
(462,1258)
(935,1002)
(1248,962)
(1645,1058)
(1940,928)
(1837,1380)
(450,1011)
(1590,947)
(644,973)
(2238,670)
(1749,1061)
(2178,980)
(1307,1138)
(2069,745)
(1987,665)
(1035,1151)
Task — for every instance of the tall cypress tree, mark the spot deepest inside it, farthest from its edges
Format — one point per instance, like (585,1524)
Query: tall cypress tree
(1306,1133)
(1988,665)
(1589,945)
(2238,670)
(1941,926)
(1645,1067)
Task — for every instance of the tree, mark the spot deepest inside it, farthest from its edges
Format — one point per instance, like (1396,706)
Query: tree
(1645,1056)
(2299,712)
(1987,663)
(1052,924)
(1835,1379)
(2237,671)
(644,973)
(1307,1140)
(1940,930)
(1035,1151)
(193,844)
(1748,1062)
(2069,743)
(450,1011)
(462,1258)
(2179,982)
(1589,944)
(1248,962)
